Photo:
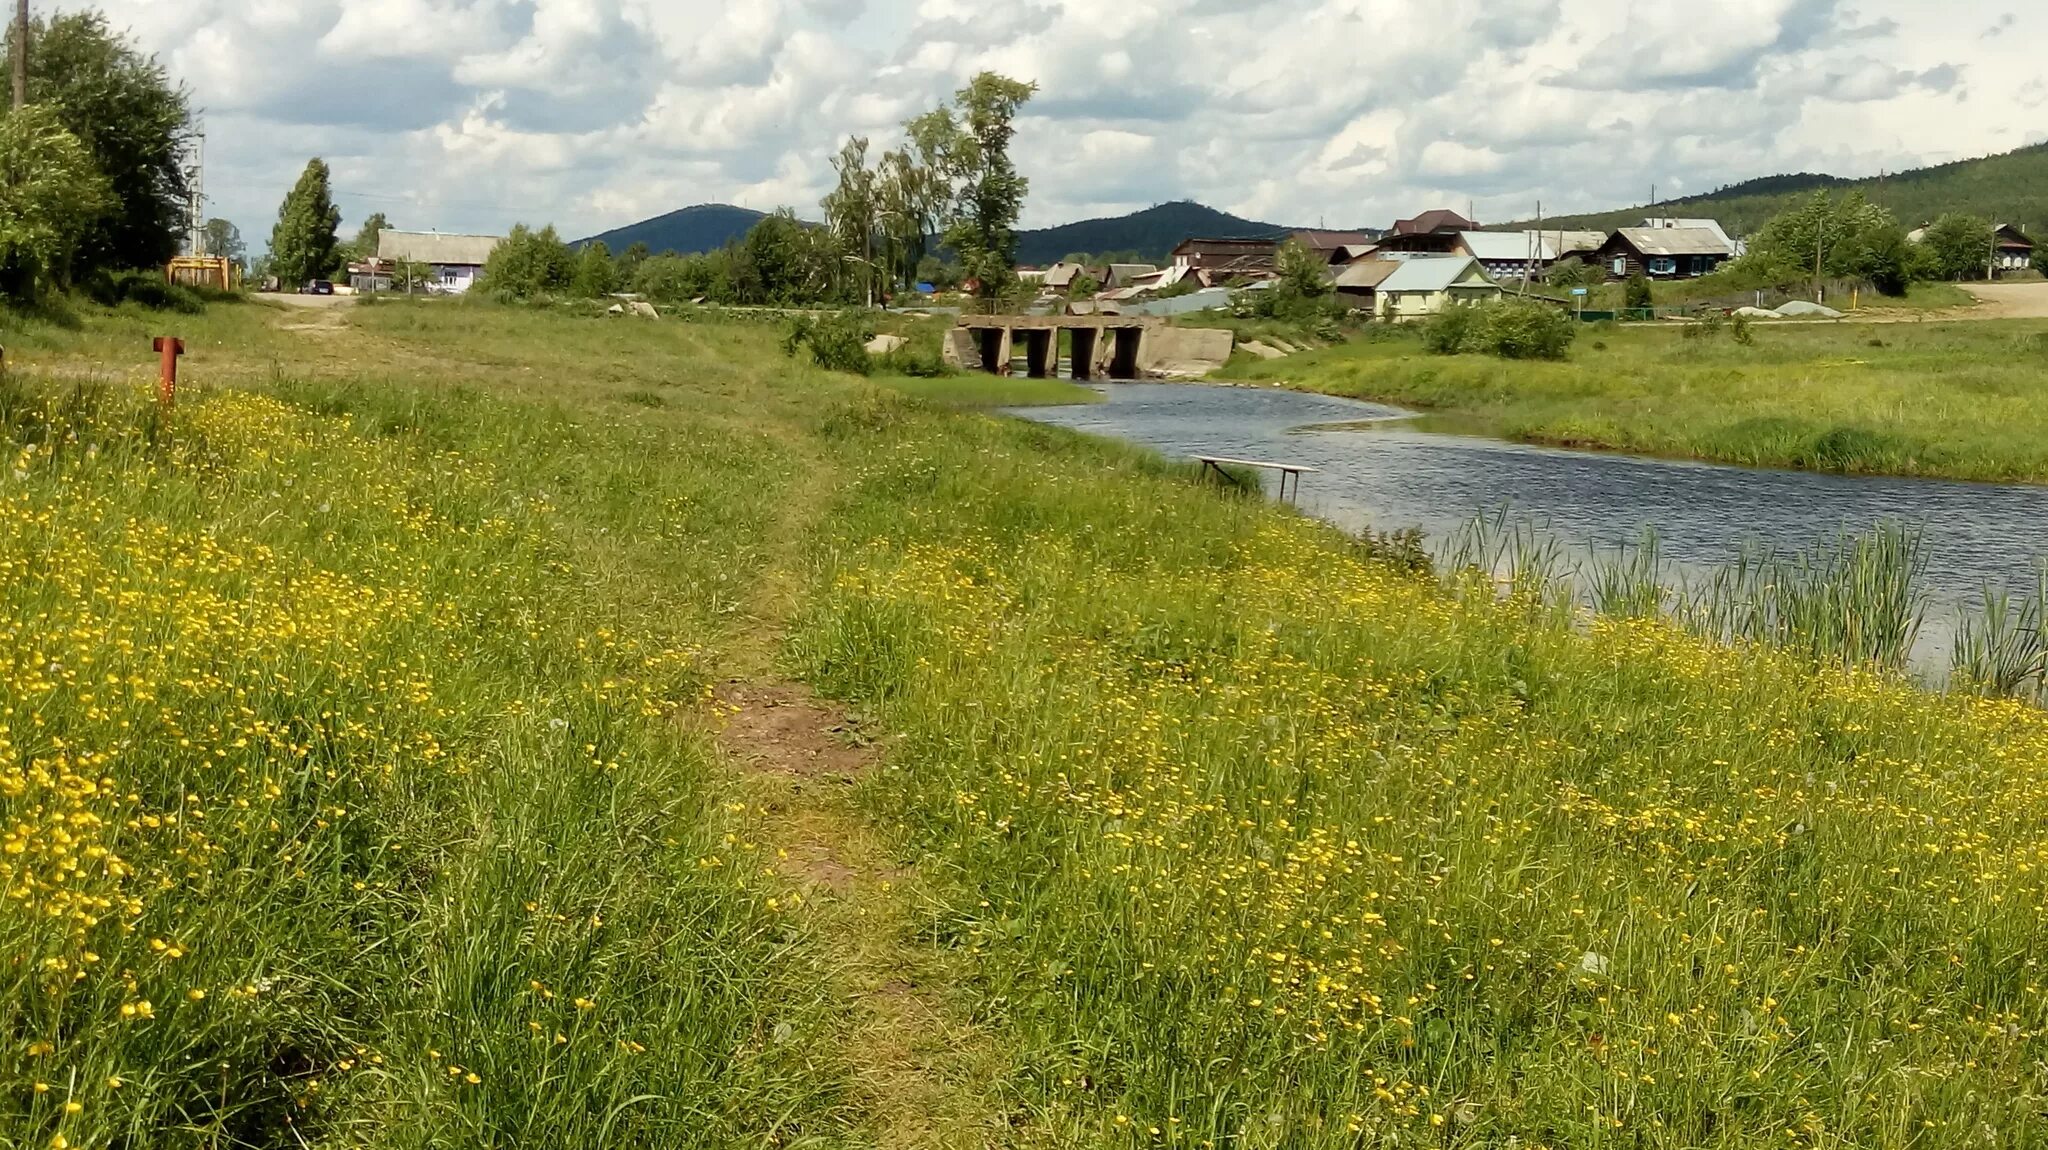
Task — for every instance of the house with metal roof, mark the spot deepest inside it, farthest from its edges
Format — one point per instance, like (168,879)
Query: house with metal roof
(1664,253)
(1508,255)
(454,261)
(1419,288)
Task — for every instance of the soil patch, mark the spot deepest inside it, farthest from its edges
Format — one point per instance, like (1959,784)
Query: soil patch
(784,729)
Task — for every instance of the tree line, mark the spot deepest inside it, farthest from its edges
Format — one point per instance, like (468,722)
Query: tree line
(951,180)
(1846,237)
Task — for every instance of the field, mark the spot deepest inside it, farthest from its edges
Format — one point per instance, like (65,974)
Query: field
(409,741)
(1965,400)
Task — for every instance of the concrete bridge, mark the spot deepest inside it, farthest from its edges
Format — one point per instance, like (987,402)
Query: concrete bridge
(1099,346)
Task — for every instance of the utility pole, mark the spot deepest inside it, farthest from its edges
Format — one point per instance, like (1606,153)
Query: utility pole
(20,55)
(195,185)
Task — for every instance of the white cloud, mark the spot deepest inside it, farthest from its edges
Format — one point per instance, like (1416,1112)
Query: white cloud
(474,114)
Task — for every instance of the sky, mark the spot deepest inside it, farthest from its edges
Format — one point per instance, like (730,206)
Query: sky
(473,115)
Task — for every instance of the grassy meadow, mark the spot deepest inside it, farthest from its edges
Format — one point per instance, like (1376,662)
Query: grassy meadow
(1959,400)
(358,786)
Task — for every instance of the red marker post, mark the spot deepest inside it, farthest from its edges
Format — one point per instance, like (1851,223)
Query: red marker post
(170,348)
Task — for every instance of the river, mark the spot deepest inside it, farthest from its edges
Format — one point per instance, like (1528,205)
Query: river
(1389,476)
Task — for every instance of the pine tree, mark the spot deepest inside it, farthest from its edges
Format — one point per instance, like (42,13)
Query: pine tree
(303,244)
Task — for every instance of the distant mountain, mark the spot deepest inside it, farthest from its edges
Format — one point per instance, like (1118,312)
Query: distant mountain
(1151,233)
(2010,188)
(702,228)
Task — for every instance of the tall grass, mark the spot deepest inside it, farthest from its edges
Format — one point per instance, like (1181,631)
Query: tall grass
(342,799)
(1261,843)
(1999,648)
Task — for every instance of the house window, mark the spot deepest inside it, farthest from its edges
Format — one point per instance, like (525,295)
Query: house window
(1621,265)
(1663,266)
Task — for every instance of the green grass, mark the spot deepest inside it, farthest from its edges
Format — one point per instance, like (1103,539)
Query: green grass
(381,666)
(1965,400)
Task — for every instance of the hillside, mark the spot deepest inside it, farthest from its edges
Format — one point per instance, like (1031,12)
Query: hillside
(1152,232)
(2012,187)
(700,228)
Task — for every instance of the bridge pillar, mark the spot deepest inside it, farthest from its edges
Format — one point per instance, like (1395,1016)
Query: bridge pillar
(1041,351)
(1083,355)
(994,345)
(1123,360)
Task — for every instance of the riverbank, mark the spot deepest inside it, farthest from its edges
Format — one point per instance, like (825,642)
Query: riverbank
(430,675)
(1936,400)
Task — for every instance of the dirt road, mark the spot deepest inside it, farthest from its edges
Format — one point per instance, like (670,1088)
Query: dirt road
(2009,300)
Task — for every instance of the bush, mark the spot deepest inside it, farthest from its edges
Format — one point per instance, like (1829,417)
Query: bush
(144,289)
(1518,329)
(1510,329)
(837,342)
(1637,296)
(1451,330)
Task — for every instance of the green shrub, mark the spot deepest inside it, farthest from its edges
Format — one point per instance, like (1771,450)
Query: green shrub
(1636,296)
(1450,331)
(1518,329)
(836,342)
(144,289)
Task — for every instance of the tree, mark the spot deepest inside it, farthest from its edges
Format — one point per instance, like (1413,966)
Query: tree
(303,245)
(629,261)
(224,239)
(370,235)
(596,276)
(1826,237)
(50,198)
(782,261)
(850,214)
(914,188)
(528,264)
(135,125)
(1636,294)
(1957,247)
(991,196)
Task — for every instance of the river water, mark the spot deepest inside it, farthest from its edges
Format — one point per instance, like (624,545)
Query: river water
(1388,476)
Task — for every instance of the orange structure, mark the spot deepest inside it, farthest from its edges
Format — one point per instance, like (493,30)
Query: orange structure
(204,271)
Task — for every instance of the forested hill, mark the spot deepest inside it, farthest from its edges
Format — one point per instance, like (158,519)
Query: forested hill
(1150,233)
(2009,188)
(698,228)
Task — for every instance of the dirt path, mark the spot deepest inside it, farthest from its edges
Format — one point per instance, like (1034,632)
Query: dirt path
(923,1070)
(920,1066)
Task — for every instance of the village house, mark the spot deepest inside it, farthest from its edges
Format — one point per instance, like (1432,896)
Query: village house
(1434,231)
(1326,246)
(1197,254)
(1125,275)
(1418,288)
(1508,255)
(453,262)
(1358,282)
(1664,252)
(2015,250)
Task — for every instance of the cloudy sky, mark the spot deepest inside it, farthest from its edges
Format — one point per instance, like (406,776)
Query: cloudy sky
(475,114)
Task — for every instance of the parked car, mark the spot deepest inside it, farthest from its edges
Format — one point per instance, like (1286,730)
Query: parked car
(318,287)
